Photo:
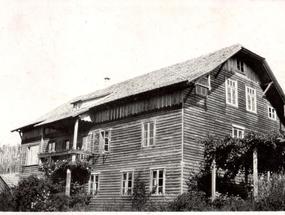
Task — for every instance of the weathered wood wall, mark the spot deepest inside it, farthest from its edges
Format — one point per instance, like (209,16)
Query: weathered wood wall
(126,153)
(211,115)
(137,105)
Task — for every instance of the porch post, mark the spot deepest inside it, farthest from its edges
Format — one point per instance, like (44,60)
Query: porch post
(68,181)
(255,174)
(42,140)
(75,135)
(213,186)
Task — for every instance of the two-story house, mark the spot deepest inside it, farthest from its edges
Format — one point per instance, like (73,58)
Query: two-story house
(152,124)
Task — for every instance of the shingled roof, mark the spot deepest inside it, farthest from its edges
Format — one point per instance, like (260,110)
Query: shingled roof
(175,74)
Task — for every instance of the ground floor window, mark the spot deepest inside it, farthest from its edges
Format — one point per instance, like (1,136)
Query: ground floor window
(237,131)
(127,182)
(94,183)
(157,185)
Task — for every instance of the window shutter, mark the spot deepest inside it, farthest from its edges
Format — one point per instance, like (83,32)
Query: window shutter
(109,139)
(23,155)
(101,141)
(109,135)
(154,131)
(89,141)
(142,138)
(96,141)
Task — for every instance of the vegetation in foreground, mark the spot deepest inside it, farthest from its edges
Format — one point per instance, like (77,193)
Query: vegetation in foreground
(48,193)
(233,159)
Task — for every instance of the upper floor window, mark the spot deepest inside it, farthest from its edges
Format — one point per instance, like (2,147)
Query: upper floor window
(231,92)
(105,139)
(250,99)
(32,155)
(237,131)
(203,85)
(51,147)
(240,65)
(100,140)
(94,183)
(127,182)
(148,133)
(157,185)
(271,113)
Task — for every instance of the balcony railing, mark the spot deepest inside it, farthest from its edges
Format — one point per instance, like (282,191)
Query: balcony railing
(64,152)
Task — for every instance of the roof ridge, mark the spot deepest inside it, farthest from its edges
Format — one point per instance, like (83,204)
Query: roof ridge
(187,70)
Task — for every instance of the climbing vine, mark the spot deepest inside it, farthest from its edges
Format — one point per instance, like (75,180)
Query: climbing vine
(233,155)
(56,170)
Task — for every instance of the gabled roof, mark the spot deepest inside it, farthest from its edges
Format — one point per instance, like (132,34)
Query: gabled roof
(186,71)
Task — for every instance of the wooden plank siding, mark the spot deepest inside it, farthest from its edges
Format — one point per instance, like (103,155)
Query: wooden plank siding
(137,105)
(211,115)
(126,152)
(180,126)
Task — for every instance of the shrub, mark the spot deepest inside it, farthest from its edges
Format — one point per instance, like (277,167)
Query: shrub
(190,201)
(7,202)
(231,203)
(33,194)
(140,195)
(272,194)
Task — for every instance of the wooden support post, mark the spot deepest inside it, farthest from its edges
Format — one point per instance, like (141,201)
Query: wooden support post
(213,190)
(255,174)
(268,176)
(42,141)
(75,135)
(68,181)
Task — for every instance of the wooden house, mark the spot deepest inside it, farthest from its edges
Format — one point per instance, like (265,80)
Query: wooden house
(153,124)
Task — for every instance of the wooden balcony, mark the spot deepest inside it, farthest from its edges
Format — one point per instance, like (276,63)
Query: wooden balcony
(65,153)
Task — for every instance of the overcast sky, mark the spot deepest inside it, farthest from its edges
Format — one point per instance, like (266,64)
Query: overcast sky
(52,51)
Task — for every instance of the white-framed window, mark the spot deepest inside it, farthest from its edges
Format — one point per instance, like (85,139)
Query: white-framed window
(127,182)
(51,147)
(157,181)
(105,139)
(203,86)
(240,65)
(32,155)
(148,133)
(272,113)
(250,94)
(237,131)
(93,184)
(100,140)
(231,92)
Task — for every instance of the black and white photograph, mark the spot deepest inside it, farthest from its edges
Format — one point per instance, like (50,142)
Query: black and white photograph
(142,106)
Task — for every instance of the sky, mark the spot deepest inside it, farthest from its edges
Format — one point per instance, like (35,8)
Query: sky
(52,51)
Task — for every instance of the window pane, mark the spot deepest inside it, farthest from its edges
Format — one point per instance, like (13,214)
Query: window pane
(154,174)
(151,141)
(160,182)
(125,176)
(160,190)
(106,148)
(229,95)
(234,97)
(130,184)
(130,176)
(160,173)
(123,188)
